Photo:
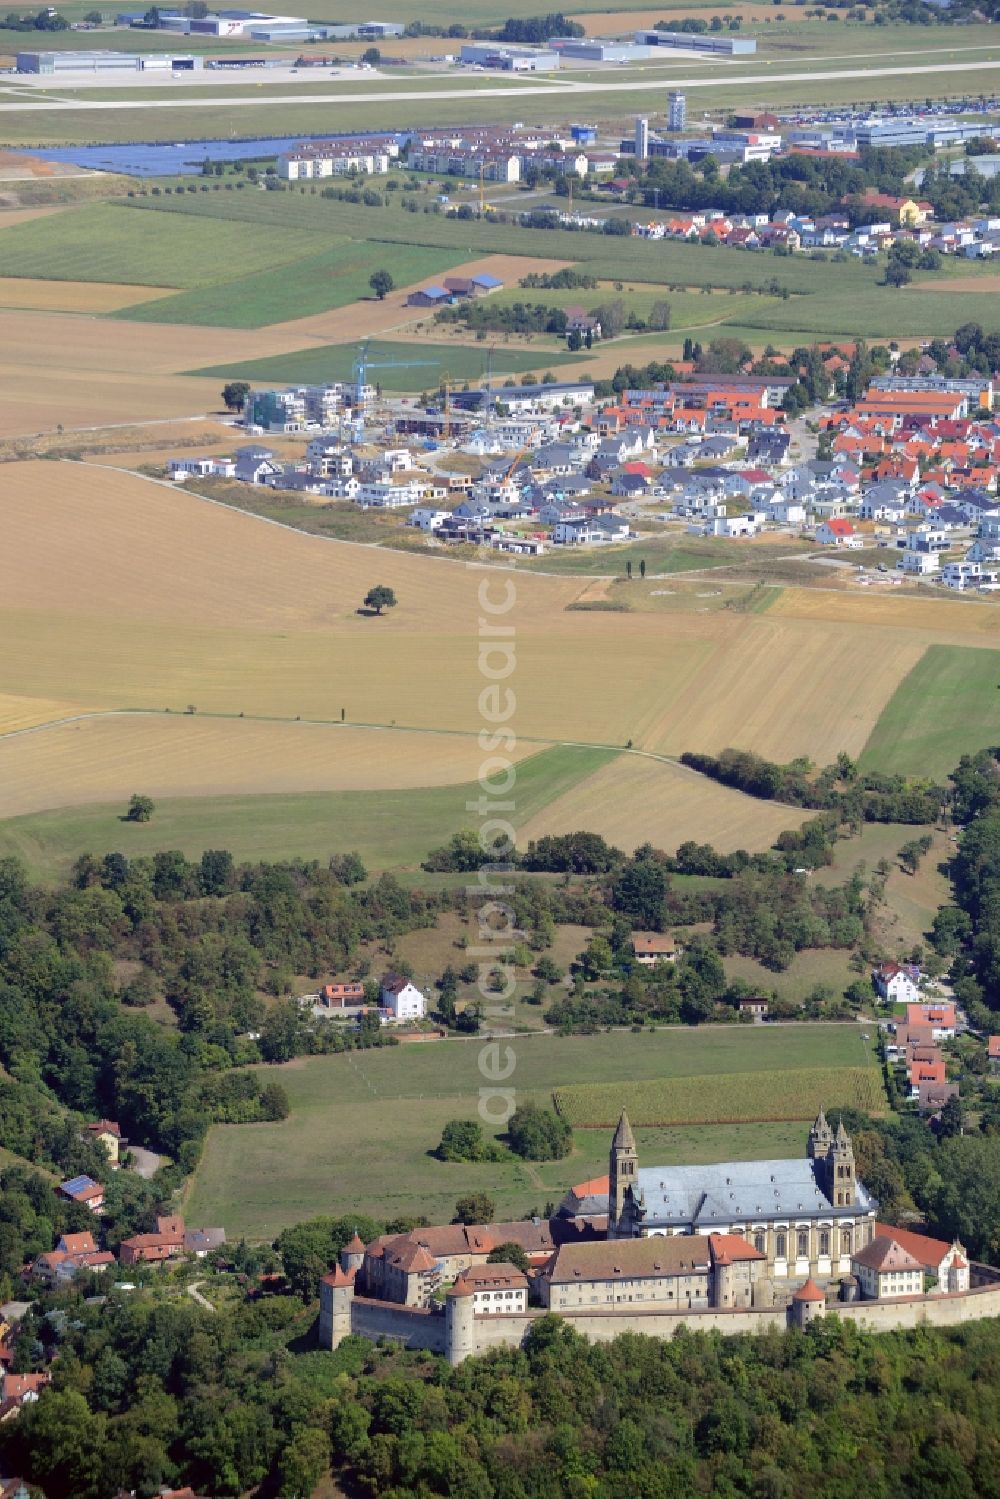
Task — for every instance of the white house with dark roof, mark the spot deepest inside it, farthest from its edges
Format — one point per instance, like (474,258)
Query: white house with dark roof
(402,998)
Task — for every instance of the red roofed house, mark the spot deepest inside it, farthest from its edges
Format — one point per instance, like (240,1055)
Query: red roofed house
(653,947)
(921,1073)
(941,1018)
(885,1270)
(947,1263)
(993,1052)
(73,1252)
(24,1388)
(85,1190)
(342,995)
(165,1244)
(496,1288)
(837,532)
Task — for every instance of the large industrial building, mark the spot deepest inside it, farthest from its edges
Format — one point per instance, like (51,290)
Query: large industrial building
(509,59)
(105,62)
(593,49)
(700,41)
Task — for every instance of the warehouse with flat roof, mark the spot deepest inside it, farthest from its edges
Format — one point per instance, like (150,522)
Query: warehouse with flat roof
(104,62)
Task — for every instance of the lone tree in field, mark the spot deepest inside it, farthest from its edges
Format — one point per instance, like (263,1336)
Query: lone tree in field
(379,598)
(381,283)
(140,809)
(234,395)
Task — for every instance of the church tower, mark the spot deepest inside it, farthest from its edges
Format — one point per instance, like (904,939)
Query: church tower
(840,1170)
(622,1174)
(820,1138)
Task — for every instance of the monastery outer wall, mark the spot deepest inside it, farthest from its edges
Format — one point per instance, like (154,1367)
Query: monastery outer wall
(462,1334)
(949,1310)
(414,1327)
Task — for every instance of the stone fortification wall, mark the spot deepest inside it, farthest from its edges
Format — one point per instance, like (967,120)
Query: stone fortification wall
(462,1334)
(414,1327)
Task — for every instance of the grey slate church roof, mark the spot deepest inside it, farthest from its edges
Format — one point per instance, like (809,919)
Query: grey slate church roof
(702,1196)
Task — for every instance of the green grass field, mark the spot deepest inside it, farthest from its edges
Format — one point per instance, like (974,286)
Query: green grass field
(104,242)
(317,283)
(362,1125)
(947,706)
(390,829)
(687,309)
(724,1098)
(428,363)
(814,967)
(827,298)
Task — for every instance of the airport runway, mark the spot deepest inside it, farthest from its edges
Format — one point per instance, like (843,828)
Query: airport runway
(527,90)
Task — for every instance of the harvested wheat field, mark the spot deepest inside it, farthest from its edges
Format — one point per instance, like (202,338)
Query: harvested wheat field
(635,800)
(41,400)
(17,713)
(620,22)
(69,340)
(73,296)
(934,616)
(117,592)
(181,755)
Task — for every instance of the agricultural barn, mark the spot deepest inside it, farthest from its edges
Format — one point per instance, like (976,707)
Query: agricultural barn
(429,296)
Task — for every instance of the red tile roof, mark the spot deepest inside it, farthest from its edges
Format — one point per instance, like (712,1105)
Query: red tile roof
(809,1292)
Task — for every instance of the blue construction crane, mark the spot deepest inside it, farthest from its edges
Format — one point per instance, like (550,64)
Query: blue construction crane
(363,364)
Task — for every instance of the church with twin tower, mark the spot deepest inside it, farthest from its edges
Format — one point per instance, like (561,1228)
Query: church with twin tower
(807,1216)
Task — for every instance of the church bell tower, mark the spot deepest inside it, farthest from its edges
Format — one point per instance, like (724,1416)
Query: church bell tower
(841,1176)
(622,1174)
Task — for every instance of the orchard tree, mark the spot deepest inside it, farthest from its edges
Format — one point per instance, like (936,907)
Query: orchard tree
(140,809)
(234,394)
(478,1207)
(380,597)
(381,283)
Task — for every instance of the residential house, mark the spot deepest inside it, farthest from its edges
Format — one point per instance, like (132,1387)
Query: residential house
(345,994)
(885,1270)
(940,1017)
(107,1132)
(595,532)
(402,998)
(897,983)
(627,486)
(651,948)
(947,1264)
(497,1288)
(84,1190)
(755,1007)
(837,532)
(23,1389)
(166,1243)
(993,1052)
(73,1252)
